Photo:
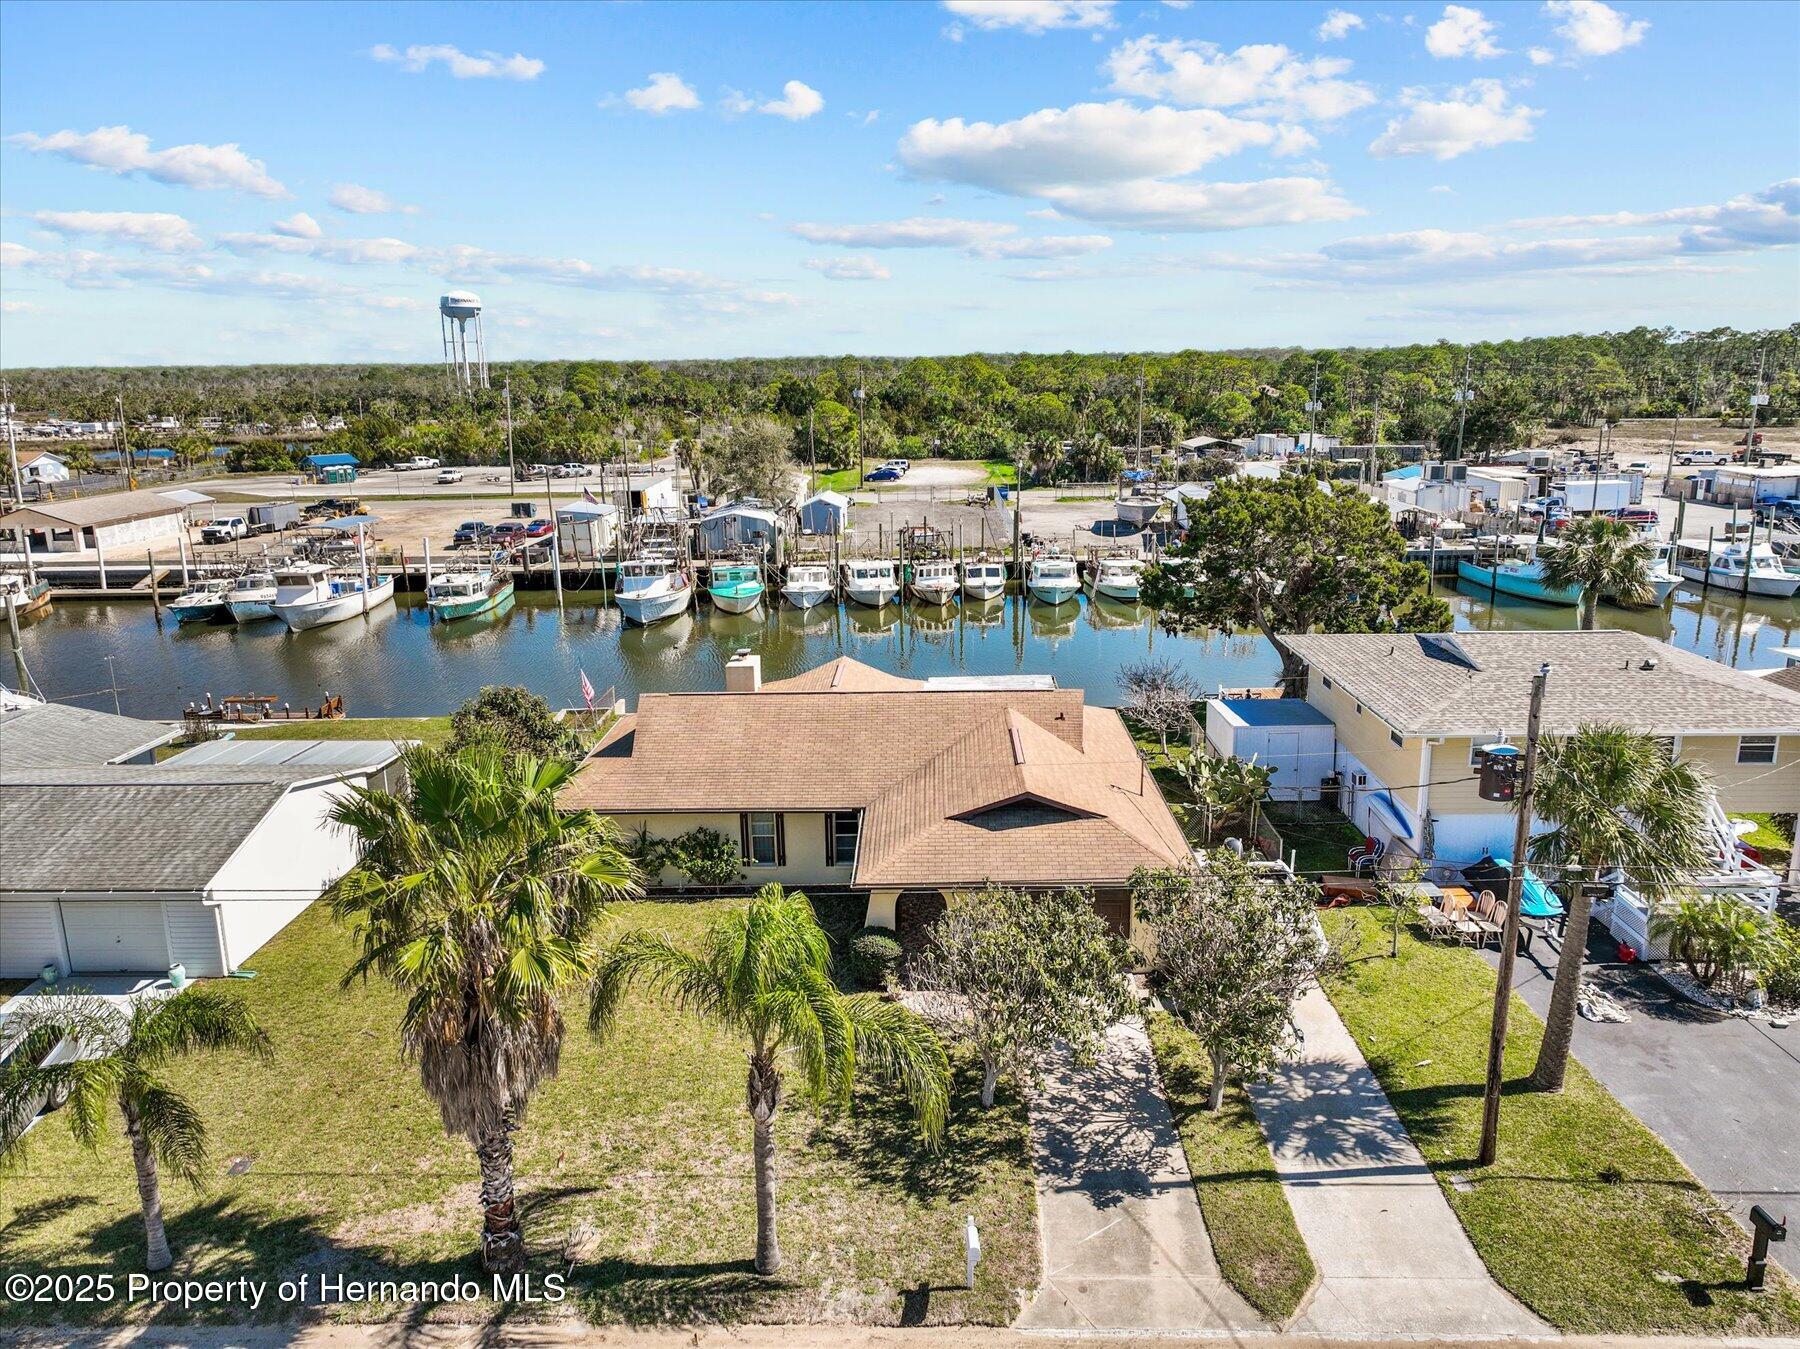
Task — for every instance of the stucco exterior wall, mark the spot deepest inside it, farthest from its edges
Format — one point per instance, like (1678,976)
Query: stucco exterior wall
(805,837)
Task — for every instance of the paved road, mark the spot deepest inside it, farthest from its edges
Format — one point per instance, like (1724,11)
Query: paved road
(1723,1092)
(1392,1257)
(1125,1247)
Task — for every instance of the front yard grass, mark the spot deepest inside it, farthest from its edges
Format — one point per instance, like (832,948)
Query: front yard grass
(1259,1248)
(1773,836)
(634,1167)
(1587,1217)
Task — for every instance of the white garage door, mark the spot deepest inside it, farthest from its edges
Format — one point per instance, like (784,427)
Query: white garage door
(108,937)
(30,937)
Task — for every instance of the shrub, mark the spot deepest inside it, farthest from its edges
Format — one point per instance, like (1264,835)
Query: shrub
(874,956)
(1720,940)
(1781,969)
(704,856)
(513,721)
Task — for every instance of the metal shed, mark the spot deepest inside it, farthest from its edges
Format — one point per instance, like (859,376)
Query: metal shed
(825,513)
(739,523)
(1288,735)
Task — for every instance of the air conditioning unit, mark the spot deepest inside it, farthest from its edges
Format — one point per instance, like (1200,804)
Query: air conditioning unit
(1434,473)
(1458,472)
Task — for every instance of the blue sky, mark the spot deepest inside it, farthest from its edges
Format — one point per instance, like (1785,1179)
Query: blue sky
(298,182)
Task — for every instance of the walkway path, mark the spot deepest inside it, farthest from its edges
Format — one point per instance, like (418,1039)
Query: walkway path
(1125,1247)
(1392,1257)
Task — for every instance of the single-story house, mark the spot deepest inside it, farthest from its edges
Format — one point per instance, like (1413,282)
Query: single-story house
(736,524)
(1409,711)
(1738,485)
(133,868)
(329,467)
(849,778)
(117,520)
(35,734)
(825,513)
(42,466)
(1289,736)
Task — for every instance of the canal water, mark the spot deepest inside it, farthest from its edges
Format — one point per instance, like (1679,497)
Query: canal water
(397,662)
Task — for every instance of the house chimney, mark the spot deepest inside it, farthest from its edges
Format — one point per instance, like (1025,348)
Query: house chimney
(743,672)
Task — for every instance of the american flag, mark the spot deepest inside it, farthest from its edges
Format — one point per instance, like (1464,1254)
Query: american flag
(587,495)
(587,691)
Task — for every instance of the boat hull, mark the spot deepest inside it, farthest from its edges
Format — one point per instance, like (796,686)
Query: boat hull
(873,596)
(305,615)
(805,597)
(1055,592)
(644,610)
(984,589)
(1772,587)
(250,611)
(1518,585)
(1118,590)
(939,596)
(447,611)
(736,602)
(1136,513)
(212,611)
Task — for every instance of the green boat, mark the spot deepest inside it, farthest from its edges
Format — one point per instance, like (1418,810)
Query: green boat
(464,594)
(736,588)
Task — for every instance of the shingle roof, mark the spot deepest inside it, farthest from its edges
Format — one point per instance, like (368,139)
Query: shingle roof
(956,787)
(130,826)
(1419,685)
(1785,678)
(110,509)
(38,734)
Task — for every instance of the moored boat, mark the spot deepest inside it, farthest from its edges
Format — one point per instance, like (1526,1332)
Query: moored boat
(1752,569)
(1053,578)
(309,595)
(983,578)
(935,582)
(1118,577)
(250,595)
(871,581)
(808,584)
(1519,578)
(205,603)
(28,595)
(1662,575)
(464,594)
(735,587)
(652,587)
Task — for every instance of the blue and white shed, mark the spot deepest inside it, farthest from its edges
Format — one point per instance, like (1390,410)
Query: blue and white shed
(1288,735)
(825,513)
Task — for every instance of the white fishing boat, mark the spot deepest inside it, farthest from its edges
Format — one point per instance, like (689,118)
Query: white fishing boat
(310,595)
(1735,567)
(735,587)
(1138,505)
(205,603)
(464,594)
(652,587)
(1118,578)
(250,595)
(935,582)
(983,578)
(1662,575)
(871,581)
(1053,578)
(23,594)
(808,584)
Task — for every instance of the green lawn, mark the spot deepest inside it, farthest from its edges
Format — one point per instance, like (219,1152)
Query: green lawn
(634,1165)
(1260,1250)
(1587,1217)
(431,730)
(1321,836)
(1775,841)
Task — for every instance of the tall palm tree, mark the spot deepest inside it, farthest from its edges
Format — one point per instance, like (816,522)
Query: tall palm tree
(123,1054)
(1613,798)
(764,971)
(1602,556)
(477,898)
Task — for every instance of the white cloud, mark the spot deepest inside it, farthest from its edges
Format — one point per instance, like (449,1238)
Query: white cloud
(666,92)
(20,307)
(857,268)
(1768,218)
(977,238)
(1033,16)
(1462,32)
(298,226)
(797,102)
(1263,79)
(119,149)
(1293,140)
(1474,117)
(1152,204)
(486,66)
(1539,56)
(84,269)
(1594,29)
(1338,24)
(351,252)
(153,231)
(1443,189)
(356,199)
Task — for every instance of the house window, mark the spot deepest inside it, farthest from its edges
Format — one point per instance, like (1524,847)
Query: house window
(1395,737)
(1753,749)
(760,833)
(841,829)
(1327,679)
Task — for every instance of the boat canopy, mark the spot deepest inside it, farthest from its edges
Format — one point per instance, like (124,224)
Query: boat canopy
(347,523)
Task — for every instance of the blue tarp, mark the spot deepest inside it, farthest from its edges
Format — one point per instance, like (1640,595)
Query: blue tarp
(1137,475)
(329,461)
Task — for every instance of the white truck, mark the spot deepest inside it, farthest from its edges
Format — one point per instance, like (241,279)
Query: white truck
(224,529)
(416,462)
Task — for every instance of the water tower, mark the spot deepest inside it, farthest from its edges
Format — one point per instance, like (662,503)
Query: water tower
(459,311)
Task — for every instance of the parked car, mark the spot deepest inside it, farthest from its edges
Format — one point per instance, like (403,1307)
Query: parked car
(1702,455)
(574,470)
(538,529)
(507,533)
(418,461)
(883,474)
(1636,515)
(330,508)
(1783,512)
(224,529)
(450,475)
(471,534)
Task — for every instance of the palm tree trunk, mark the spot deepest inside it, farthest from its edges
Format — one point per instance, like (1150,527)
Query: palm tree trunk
(156,1240)
(502,1239)
(1559,1025)
(763,1092)
(1590,608)
(1215,1092)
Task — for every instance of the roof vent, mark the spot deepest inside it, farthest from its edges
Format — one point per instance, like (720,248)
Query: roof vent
(1649,663)
(1018,745)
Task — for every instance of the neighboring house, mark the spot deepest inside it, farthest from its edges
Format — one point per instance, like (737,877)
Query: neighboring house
(748,524)
(41,466)
(36,734)
(825,513)
(132,868)
(848,778)
(1408,712)
(117,520)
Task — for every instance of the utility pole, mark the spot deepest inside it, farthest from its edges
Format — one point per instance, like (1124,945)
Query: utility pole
(512,471)
(860,395)
(1757,398)
(812,456)
(1140,417)
(125,443)
(1461,398)
(1509,937)
(1312,415)
(12,448)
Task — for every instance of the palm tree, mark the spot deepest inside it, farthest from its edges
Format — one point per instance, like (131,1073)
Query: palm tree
(1614,799)
(1602,556)
(477,898)
(124,1054)
(764,971)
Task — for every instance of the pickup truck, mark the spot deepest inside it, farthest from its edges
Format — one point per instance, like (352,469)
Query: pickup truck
(450,475)
(224,529)
(471,534)
(1701,455)
(418,461)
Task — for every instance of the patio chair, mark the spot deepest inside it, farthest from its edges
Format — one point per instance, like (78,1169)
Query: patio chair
(1437,922)
(1489,916)
(1367,855)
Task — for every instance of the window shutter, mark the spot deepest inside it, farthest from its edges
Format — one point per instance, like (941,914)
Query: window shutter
(830,839)
(744,836)
(780,839)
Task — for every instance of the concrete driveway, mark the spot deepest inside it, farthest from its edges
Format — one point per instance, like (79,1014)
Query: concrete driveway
(1723,1092)
(1125,1247)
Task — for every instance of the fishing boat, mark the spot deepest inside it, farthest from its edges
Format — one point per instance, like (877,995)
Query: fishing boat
(205,603)
(652,587)
(808,584)
(735,587)
(1137,505)
(310,595)
(1053,578)
(464,594)
(250,595)
(871,581)
(1521,578)
(935,582)
(983,578)
(1751,569)
(1662,575)
(25,595)
(1118,577)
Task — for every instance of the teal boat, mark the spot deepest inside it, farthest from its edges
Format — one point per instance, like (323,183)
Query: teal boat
(737,588)
(1522,580)
(463,594)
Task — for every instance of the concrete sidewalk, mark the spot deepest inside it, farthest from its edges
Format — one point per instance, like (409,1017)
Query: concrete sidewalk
(1125,1247)
(1392,1257)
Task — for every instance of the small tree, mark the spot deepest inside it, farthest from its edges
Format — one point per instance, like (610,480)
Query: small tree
(705,856)
(1234,949)
(1159,696)
(512,720)
(753,459)
(1021,973)
(1721,940)
(1212,793)
(1601,556)
(1396,898)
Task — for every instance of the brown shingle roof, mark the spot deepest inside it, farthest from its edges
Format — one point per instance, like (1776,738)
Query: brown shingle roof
(842,675)
(1421,684)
